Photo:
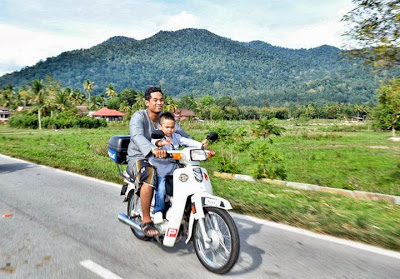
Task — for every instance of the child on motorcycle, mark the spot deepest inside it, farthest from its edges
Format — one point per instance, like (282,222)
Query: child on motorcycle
(166,166)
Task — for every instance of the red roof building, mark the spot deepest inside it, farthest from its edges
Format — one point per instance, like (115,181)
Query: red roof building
(182,114)
(4,114)
(109,114)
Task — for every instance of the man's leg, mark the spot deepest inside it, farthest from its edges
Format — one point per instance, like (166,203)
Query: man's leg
(146,176)
(146,195)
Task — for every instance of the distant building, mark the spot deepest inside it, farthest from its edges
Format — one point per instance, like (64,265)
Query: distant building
(22,108)
(4,114)
(108,114)
(82,110)
(182,114)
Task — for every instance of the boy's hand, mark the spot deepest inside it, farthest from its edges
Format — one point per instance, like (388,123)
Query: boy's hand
(165,142)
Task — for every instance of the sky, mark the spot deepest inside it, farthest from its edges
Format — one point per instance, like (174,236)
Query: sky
(33,30)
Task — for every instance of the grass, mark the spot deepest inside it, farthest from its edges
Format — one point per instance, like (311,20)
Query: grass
(350,157)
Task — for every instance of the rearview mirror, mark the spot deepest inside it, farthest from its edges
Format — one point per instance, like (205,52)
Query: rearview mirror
(157,134)
(212,136)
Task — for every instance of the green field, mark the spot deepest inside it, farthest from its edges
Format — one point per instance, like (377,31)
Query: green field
(342,155)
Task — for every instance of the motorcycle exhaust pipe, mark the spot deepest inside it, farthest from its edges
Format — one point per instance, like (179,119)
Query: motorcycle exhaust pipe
(127,221)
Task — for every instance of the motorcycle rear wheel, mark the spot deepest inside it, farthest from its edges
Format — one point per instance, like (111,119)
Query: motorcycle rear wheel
(225,243)
(134,210)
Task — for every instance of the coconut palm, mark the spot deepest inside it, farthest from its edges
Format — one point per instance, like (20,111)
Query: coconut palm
(140,102)
(76,97)
(62,99)
(38,90)
(170,104)
(110,91)
(25,95)
(7,95)
(88,86)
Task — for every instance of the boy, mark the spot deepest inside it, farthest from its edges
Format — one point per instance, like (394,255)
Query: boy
(166,166)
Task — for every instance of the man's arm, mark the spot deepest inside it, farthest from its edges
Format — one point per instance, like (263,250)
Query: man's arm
(188,142)
(180,131)
(137,128)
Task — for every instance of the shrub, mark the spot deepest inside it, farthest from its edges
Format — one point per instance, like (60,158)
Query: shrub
(24,121)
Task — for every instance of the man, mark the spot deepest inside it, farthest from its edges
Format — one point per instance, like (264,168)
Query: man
(141,125)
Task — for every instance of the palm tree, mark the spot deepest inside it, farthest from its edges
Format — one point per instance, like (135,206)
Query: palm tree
(7,95)
(88,86)
(39,92)
(171,105)
(76,97)
(25,95)
(140,102)
(62,102)
(110,91)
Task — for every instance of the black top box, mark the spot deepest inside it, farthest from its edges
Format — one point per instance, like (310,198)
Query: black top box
(118,148)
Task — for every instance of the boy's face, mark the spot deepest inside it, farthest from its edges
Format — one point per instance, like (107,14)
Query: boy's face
(168,127)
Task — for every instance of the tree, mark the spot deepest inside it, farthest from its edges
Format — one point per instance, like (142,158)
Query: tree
(188,102)
(88,86)
(374,26)
(38,90)
(170,104)
(139,102)
(388,110)
(76,97)
(7,95)
(128,95)
(110,91)
(62,100)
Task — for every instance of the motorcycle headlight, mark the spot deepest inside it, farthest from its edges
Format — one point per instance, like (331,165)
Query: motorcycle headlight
(198,155)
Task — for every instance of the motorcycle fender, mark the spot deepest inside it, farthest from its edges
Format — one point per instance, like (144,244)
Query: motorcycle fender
(130,187)
(201,200)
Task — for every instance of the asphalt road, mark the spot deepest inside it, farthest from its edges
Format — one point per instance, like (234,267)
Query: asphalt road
(55,224)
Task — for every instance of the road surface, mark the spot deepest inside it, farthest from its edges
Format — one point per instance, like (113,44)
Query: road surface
(54,224)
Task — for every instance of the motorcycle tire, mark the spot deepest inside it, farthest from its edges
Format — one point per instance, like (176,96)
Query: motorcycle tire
(134,209)
(224,248)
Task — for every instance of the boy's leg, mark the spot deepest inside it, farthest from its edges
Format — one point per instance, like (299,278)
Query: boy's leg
(160,195)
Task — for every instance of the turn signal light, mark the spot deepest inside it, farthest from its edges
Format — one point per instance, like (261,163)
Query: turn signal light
(176,156)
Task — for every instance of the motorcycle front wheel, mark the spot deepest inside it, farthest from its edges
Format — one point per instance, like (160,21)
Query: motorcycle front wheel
(223,250)
(133,211)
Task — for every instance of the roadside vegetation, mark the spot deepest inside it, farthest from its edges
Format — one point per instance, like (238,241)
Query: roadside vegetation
(348,156)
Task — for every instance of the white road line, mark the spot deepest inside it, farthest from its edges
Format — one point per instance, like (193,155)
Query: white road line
(350,243)
(99,270)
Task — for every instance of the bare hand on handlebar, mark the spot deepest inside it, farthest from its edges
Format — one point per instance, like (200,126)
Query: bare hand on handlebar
(159,153)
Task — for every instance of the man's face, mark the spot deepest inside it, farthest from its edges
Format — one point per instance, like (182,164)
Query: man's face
(156,102)
(168,127)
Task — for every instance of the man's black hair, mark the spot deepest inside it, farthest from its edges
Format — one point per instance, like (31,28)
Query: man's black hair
(147,94)
(166,115)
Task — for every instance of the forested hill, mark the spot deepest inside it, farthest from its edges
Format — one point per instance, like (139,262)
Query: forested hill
(198,62)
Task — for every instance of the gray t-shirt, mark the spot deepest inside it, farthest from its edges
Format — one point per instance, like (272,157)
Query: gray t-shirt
(141,127)
(166,166)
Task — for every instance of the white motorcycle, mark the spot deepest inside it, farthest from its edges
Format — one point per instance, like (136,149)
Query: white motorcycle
(191,208)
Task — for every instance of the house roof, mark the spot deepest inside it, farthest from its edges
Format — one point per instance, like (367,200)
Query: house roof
(82,109)
(3,109)
(184,112)
(108,112)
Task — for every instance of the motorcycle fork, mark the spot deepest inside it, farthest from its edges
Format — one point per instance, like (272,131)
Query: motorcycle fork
(203,231)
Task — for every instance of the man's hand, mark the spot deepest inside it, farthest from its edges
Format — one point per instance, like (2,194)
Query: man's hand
(204,143)
(159,153)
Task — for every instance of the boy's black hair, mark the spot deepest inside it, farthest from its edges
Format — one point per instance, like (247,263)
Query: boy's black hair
(167,115)
(147,93)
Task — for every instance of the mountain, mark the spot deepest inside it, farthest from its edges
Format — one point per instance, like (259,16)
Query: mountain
(198,62)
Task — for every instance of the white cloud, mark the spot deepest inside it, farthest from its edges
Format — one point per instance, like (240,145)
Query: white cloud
(24,47)
(179,21)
